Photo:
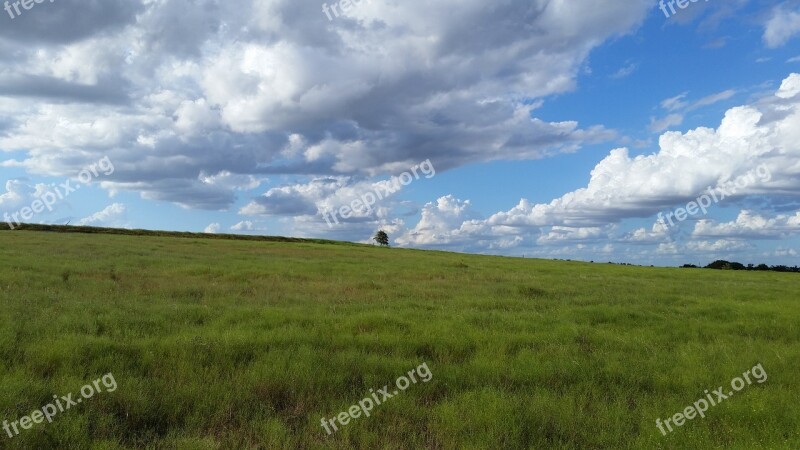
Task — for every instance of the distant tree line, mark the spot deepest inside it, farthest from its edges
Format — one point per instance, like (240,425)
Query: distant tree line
(727,265)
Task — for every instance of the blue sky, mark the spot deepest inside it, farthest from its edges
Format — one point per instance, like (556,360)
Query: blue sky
(557,129)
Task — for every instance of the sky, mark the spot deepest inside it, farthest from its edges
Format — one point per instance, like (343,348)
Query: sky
(599,130)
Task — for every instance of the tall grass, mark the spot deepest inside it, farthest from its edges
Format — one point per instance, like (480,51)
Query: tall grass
(248,344)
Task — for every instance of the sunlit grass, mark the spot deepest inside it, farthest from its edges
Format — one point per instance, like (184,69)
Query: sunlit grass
(238,344)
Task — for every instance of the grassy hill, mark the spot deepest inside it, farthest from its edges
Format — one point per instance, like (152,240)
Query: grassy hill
(217,343)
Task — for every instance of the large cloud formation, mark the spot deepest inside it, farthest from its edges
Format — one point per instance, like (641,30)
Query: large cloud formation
(765,134)
(183,93)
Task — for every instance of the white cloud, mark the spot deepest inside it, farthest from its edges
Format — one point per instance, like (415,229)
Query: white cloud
(559,235)
(213,228)
(783,25)
(711,99)
(111,216)
(176,94)
(670,121)
(229,180)
(244,225)
(444,223)
(21,193)
(659,233)
(624,187)
(625,71)
(668,248)
(247,227)
(195,117)
(718,247)
(18,193)
(675,103)
(326,195)
(680,102)
(750,225)
(679,106)
(790,87)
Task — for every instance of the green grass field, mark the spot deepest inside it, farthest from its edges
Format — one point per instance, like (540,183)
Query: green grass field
(218,344)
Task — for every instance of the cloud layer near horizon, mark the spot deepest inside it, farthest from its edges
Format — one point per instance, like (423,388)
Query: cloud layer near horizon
(765,134)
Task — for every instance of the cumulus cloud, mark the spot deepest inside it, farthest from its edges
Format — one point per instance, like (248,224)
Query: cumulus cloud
(444,223)
(721,246)
(624,187)
(363,201)
(658,234)
(213,228)
(21,193)
(230,180)
(69,21)
(301,199)
(783,252)
(763,134)
(560,235)
(111,216)
(667,248)
(18,193)
(750,225)
(193,100)
(783,25)
(244,225)
(198,101)
(248,227)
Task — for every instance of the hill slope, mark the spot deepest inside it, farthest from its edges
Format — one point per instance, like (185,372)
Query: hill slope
(245,344)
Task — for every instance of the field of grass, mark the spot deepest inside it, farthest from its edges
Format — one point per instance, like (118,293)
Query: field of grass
(218,344)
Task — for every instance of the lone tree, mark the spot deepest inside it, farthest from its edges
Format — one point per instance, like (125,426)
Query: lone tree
(382,238)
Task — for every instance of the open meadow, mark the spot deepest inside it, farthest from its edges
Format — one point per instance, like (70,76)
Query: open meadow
(218,344)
